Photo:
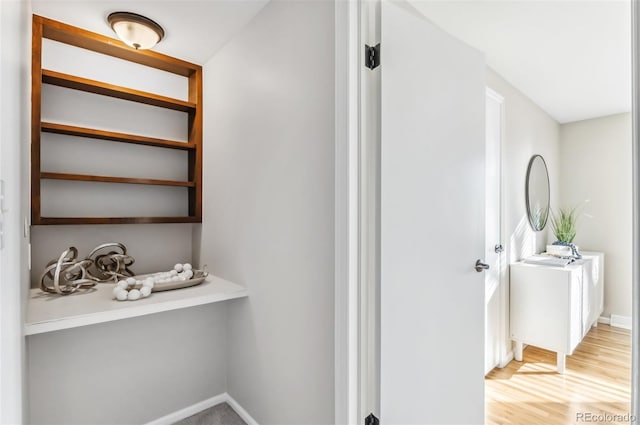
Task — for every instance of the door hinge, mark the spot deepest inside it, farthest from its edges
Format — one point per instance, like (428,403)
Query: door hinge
(372,56)
(371,420)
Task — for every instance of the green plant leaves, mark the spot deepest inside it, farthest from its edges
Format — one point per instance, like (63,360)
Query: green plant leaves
(564,224)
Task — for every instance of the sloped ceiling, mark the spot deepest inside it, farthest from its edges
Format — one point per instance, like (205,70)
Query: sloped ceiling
(572,58)
(194,30)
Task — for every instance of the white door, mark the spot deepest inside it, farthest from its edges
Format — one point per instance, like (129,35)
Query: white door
(494,296)
(432,223)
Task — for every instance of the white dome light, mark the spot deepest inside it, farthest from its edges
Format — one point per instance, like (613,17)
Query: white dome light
(136,30)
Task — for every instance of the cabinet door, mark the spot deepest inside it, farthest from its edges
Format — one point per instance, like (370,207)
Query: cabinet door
(546,305)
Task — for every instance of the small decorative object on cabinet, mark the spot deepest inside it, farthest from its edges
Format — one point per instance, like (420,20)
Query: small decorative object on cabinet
(67,34)
(554,307)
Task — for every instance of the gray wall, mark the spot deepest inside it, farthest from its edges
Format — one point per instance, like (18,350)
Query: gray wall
(269,208)
(596,166)
(129,371)
(155,247)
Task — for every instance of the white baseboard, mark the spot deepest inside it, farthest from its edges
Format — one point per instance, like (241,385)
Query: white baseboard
(203,405)
(240,411)
(616,321)
(506,360)
(621,321)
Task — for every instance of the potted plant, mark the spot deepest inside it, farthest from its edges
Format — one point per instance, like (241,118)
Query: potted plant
(563,224)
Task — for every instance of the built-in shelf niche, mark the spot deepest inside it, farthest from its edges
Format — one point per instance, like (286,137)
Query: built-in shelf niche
(44,28)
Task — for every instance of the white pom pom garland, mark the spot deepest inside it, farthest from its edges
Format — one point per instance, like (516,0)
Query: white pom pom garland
(132,289)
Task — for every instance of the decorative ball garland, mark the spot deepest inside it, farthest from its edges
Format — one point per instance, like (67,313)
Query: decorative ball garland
(131,289)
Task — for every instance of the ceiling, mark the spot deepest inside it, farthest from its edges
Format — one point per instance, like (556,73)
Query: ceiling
(572,58)
(194,29)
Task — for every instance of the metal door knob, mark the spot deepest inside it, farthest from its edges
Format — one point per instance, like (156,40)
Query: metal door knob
(480,266)
(499,248)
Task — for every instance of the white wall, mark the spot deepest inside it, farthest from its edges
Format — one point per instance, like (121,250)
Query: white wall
(130,371)
(596,166)
(528,130)
(269,208)
(14,135)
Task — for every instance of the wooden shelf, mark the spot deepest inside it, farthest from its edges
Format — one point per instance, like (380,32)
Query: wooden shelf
(98,87)
(108,179)
(91,133)
(115,220)
(44,28)
(48,312)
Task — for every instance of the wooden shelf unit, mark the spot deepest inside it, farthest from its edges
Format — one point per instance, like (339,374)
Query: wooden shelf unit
(58,31)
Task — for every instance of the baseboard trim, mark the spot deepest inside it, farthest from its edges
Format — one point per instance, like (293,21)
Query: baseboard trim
(240,411)
(178,415)
(616,321)
(506,360)
(621,321)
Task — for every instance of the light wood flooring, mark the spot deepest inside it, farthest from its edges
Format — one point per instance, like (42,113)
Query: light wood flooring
(597,381)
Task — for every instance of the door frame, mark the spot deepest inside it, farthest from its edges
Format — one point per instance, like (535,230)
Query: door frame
(635,115)
(356,192)
(15,33)
(506,351)
(350,214)
(347,211)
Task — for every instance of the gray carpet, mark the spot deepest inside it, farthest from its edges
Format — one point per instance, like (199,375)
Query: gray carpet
(221,414)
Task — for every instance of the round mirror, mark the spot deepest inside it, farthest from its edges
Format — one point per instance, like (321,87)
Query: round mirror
(537,193)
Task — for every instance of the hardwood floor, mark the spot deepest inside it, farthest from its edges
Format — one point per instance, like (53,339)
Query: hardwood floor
(597,382)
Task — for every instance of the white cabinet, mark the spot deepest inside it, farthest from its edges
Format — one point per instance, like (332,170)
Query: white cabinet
(554,307)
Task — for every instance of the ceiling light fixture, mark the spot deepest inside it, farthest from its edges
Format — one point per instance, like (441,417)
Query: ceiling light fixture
(135,30)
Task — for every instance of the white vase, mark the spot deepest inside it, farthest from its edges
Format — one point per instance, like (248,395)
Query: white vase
(560,250)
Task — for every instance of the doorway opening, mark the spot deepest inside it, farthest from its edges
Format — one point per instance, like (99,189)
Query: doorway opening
(530,128)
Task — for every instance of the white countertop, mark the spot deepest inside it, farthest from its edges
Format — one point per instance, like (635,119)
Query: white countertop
(49,312)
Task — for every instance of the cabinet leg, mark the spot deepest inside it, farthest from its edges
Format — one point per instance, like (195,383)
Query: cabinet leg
(518,354)
(595,324)
(561,362)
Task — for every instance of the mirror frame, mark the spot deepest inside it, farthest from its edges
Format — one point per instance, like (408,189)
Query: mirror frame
(526,193)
